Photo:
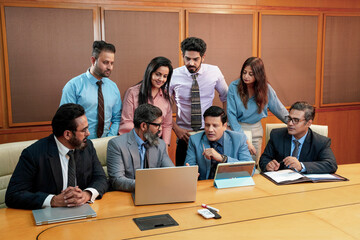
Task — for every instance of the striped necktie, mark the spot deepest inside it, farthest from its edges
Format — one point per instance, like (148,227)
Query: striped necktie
(100,127)
(195,104)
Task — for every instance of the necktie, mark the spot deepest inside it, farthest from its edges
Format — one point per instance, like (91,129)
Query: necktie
(214,163)
(71,169)
(100,127)
(296,149)
(146,157)
(195,105)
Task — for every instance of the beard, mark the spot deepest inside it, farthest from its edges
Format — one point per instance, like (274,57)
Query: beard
(78,144)
(193,69)
(152,138)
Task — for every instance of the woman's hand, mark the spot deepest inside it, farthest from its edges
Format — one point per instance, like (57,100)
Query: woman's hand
(251,147)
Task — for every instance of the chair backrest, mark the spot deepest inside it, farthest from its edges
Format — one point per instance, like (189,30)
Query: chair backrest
(100,144)
(320,129)
(10,154)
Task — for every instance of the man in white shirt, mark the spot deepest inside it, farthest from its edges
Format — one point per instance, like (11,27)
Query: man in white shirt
(208,78)
(61,170)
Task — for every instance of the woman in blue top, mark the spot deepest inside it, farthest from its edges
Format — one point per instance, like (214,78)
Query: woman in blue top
(248,100)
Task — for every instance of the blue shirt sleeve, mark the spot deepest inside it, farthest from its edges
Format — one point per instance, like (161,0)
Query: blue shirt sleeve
(275,105)
(116,117)
(232,110)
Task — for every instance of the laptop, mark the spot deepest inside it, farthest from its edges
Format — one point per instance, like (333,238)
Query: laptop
(50,215)
(235,174)
(165,185)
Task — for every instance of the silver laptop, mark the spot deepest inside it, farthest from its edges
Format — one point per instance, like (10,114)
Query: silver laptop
(165,185)
(61,214)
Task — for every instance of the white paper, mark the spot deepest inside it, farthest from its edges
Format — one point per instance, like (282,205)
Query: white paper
(321,176)
(284,175)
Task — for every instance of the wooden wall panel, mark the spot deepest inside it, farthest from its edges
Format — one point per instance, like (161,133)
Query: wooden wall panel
(139,36)
(341,82)
(229,39)
(46,47)
(289,51)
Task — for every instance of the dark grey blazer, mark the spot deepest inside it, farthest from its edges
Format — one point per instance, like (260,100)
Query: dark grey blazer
(316,154)
(123,158)
(38,174)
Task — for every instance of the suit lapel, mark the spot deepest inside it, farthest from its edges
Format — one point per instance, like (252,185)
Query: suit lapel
(55,164)
(306,147)
(205,144)
(134,151)
(228,147)
(287,144)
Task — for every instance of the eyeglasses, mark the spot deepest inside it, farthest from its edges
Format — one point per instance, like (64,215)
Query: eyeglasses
(155,124)
(294,120)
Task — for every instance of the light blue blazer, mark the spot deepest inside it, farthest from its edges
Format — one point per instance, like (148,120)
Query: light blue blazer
(235,148)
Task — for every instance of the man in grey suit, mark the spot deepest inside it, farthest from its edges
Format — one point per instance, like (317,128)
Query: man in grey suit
(298,147)
(140,148)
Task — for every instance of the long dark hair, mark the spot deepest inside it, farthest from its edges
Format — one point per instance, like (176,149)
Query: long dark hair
(145,87)
(260,84)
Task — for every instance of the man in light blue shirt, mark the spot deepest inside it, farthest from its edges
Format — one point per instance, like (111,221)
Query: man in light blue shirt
(86,89)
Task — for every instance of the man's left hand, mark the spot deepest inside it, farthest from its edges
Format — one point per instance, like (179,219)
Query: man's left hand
(74,196)
(292,162)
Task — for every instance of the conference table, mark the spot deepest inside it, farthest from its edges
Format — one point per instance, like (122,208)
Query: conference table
(327,210)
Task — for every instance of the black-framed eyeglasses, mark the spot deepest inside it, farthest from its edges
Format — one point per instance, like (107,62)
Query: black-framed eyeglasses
(294,120)
(82,130)
(155,124)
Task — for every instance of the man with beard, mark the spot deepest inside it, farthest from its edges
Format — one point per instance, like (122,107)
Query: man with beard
(97,93)
(216,144)
(140,148)
(193,89)
(297,146)
(61,170)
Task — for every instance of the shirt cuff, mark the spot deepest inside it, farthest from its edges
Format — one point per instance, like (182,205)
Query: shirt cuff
(303,167)
(94,194)
(47,201)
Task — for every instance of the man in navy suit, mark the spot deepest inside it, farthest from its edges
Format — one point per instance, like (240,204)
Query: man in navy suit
(297,146)
(61,170)
(216,144)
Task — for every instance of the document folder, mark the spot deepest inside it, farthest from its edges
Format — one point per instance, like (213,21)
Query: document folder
(236,174)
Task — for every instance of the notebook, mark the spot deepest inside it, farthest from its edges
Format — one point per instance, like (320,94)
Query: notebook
(50,215)
(165,185)
(235,174)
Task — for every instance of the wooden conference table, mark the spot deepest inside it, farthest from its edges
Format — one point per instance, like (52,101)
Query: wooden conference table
(265,211)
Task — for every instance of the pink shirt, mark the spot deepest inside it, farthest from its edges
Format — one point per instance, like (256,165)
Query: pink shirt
(131,102)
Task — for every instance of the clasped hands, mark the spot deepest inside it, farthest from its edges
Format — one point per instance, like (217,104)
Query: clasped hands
(289,162)
(71,197)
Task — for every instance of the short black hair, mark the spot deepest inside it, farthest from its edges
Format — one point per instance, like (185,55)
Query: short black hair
(146,113)
(99,46)
(193,44)
(306,107)
(64,118)
(215,111)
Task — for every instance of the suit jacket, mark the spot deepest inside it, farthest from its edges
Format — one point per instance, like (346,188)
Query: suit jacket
(123,158)
(235,148)
(316,154)
(38,174)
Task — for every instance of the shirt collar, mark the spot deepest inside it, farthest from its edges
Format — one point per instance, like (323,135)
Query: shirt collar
(301,140)
(200,72)
(220,141)
(138,140)
(61,147)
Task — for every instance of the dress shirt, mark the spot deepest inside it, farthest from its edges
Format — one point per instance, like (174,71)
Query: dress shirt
(83,90)
(238,113)
(209,78)
(301,141)
(64,160)
(141,147)
(131,102)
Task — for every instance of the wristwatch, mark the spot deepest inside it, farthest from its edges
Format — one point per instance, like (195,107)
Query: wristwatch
(224,158)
